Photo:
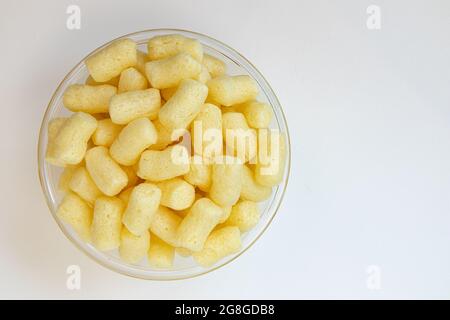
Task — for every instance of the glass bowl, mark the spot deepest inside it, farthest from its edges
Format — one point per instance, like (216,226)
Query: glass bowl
(183,267)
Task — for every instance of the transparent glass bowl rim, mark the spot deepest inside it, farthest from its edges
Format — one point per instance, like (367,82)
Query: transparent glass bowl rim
(237,58)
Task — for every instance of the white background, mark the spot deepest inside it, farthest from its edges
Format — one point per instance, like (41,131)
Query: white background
(369,118)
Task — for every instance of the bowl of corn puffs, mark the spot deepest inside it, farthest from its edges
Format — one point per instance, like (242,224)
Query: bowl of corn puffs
(164,154)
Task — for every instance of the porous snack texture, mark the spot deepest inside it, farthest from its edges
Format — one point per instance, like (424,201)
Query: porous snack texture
(164,153)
